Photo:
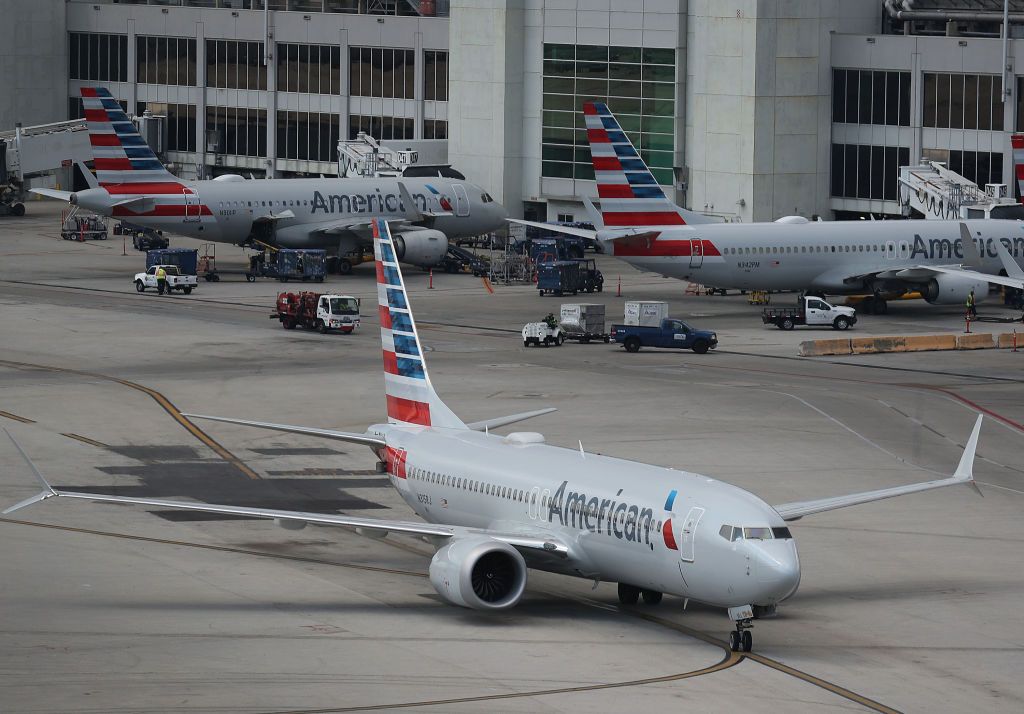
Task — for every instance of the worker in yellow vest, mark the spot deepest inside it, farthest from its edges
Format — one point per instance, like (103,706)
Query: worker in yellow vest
(161,280)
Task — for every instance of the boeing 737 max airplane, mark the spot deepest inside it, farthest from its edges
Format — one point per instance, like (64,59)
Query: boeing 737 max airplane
(330,213)
(495,506)
(887,258)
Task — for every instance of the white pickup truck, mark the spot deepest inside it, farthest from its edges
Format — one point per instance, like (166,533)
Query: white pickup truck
(810,310)
(175,280)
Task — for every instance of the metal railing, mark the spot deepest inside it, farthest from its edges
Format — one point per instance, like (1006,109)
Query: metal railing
(413,8)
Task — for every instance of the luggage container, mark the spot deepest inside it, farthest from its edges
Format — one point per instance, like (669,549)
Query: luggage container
(185,258)
(643,313)
(301,265)
(583,322)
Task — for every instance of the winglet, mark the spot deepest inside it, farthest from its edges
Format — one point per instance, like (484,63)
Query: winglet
(595,215)
(409,212)
(47,491)
(970,248)
(965,469)
(1009,264)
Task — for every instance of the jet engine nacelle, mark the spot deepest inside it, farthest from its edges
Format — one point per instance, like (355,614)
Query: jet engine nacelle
(946,289)
(424,248)
(479,573)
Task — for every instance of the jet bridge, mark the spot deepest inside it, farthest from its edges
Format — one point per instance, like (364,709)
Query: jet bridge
(37,151)
(939,193)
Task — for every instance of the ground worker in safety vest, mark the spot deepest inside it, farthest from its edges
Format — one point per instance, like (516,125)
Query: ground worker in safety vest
(972,310)
(161,280)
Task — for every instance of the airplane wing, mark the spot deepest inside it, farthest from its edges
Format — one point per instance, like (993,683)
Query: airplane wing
(997,279)
(355,225)
(506,420)
(537,541)
(364,439)
(964,474)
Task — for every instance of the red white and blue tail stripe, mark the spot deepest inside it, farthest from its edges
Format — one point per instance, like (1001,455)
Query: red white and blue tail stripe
(630,195)
(410,397)
(120,154)
(1017,142)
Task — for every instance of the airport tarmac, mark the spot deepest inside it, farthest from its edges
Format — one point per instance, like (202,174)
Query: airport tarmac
(905,605)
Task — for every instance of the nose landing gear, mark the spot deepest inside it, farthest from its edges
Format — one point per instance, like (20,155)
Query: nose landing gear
(740,639)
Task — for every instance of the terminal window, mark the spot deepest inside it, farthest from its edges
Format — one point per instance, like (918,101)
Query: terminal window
(181,123)
(98,57)
(863,96)
(312,69)
(962,101)
(381,128)
(435,75)
(871,172)
(382,72)
(307,136)
(435,129)
(232,64)
(241,131)
(165,60)
(637,83)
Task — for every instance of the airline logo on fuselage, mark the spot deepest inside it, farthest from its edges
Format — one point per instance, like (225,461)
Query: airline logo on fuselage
(376,202)
(939,248)
(619,519)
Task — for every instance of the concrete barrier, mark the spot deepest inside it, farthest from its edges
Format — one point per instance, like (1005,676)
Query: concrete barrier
(1006,340)
(819,348)
(975,341)
(928,343)
(869,345)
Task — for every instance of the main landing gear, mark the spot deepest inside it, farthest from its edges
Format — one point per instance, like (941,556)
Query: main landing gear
(630,595)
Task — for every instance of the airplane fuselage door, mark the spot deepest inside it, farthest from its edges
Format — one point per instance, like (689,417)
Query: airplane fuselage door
(696,253)
(689,531)
(461,200)
(191,206)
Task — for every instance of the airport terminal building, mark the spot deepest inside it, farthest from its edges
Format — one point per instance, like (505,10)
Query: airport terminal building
(747,111)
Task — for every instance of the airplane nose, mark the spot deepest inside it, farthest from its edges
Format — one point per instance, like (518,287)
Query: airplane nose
(779,572)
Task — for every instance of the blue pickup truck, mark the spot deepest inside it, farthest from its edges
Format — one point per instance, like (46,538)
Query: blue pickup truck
(671,333)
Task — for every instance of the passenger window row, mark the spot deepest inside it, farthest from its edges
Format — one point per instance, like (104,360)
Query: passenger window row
(465,484)
(780,250)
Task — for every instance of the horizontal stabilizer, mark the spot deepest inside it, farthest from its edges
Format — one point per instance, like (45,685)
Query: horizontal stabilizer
(567,230)
(53,193)
(364,439)
(496,422)
(47,491)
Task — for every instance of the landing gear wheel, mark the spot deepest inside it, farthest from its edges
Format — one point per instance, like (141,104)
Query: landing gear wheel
(651,597)
(628,594)
(747,640)
(734,641)
(18,209)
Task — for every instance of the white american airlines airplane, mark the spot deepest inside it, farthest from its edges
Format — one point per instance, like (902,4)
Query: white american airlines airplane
(886,258)
(495,506)
(330,213)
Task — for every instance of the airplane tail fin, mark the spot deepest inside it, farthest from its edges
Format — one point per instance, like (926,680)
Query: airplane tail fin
(630,195)
(1017,142)
(120,154)
(411,398)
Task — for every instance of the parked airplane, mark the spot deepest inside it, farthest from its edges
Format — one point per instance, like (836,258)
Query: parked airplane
(497,505)
(886,258)
(330,213)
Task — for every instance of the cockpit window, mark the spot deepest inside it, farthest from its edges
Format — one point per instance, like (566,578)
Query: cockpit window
(731,533)
(757,533)
(781,533)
